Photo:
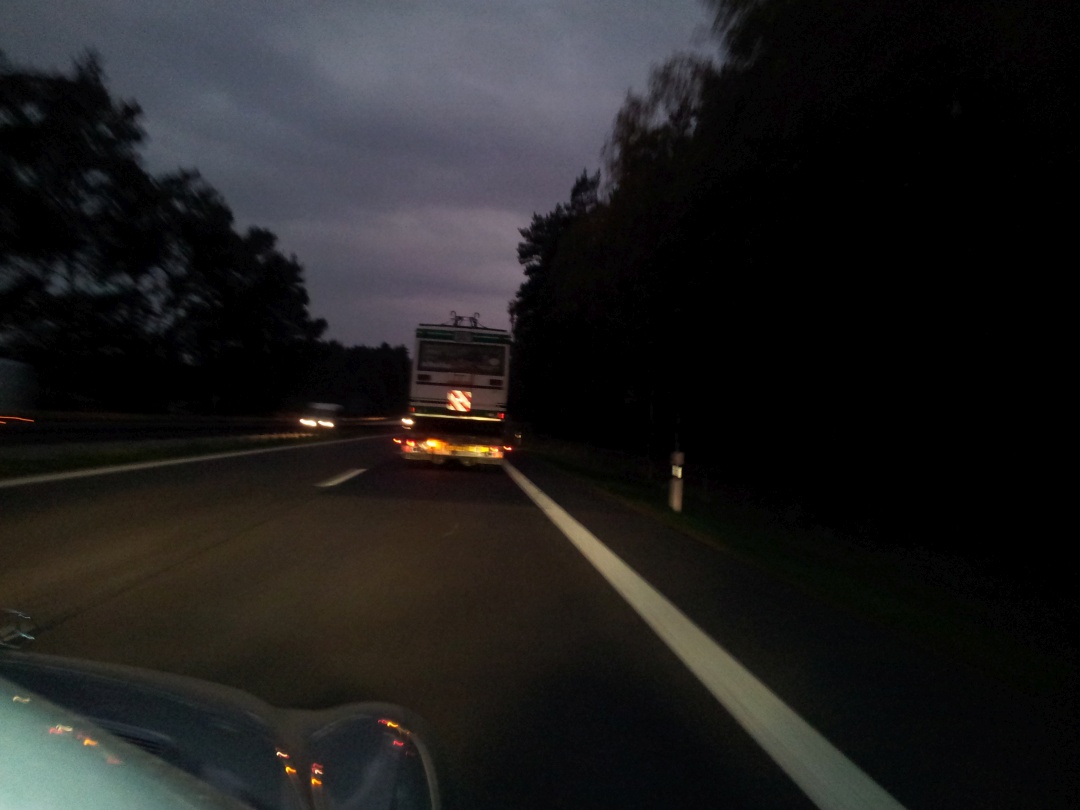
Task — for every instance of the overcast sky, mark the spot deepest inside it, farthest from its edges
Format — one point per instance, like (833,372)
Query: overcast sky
(396,147)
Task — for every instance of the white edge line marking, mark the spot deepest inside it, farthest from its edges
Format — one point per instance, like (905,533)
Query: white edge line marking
(341,479)
(47,478)
(823,773)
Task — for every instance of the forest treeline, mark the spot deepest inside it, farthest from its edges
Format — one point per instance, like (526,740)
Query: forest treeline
(126,290)
(825,262)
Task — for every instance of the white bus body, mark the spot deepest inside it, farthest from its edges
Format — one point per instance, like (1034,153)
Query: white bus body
(457,394)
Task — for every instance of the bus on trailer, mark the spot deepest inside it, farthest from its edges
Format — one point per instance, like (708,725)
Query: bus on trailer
(457,393)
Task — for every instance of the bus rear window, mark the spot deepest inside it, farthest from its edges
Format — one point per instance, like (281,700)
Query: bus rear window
(463,358)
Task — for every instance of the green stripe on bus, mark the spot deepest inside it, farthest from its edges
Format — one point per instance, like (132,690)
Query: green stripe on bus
(444,411)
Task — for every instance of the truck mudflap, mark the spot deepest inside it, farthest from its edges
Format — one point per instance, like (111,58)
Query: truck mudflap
(467,451)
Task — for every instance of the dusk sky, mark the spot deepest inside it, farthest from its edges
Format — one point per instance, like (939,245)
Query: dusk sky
(396,147)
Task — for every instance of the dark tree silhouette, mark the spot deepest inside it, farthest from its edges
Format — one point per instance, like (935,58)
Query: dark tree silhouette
(535,311)
(823,262)
(365,381)
(127,290)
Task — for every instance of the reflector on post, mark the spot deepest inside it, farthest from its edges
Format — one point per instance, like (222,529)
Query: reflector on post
(675,492)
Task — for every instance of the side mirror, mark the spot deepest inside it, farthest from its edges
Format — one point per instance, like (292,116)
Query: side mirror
(369,758)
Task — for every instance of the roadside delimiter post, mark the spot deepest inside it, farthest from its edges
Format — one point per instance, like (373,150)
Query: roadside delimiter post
(675,492)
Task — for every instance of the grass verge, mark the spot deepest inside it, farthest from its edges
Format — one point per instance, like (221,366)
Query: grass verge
(943,604)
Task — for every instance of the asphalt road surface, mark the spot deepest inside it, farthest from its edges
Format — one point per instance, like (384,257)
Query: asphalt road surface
(449,591)
(50,430)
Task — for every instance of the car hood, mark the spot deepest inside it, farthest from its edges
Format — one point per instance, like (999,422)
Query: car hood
(82,734)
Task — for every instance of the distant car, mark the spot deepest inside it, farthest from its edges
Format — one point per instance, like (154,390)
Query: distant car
(321,415)
(317,422)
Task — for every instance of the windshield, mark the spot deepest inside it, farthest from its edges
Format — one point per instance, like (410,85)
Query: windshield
(665,401)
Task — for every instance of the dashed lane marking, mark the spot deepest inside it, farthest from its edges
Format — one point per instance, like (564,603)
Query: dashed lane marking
(48,478)
(340,479)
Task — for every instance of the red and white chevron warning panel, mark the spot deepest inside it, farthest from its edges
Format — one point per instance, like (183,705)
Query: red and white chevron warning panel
(460,401)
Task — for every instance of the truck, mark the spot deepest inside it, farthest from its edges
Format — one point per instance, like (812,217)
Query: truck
(457,394)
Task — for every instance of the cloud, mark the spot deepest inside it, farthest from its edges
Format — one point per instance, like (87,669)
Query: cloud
(396,148)
(461,258)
